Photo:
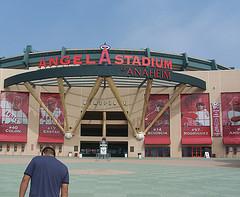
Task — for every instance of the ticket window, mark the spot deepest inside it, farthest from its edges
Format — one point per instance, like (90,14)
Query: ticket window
(158,151)
(195,151)
(234,150)
(22,147)
(60,149)
(75,149)
(8,147)
(227,150)
(238,150)
(15,148)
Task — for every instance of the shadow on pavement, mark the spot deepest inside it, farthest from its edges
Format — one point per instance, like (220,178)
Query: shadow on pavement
(229,163)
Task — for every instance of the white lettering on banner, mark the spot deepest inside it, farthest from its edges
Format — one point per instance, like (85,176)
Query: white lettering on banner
(234,132)
(13,127)
(194,133)
(157,133)
(104,102)
(195,129)
(157,129)
(51,131)
(12,131)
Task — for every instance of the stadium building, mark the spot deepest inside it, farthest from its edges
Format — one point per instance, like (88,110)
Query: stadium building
(143,102)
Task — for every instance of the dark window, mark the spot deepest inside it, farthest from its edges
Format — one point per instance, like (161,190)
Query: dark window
(22,147)
(195,151)
(15,147)
(131,149)
(117,149)
(93,115)
(157,151)
(0,147)
(75,148)
(89,149)
(91,130)
(234,150)
(8,147)
(115,116)
(227,150)
(117,130)
(60,149)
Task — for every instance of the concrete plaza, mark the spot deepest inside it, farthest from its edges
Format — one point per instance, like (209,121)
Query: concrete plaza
(127,177)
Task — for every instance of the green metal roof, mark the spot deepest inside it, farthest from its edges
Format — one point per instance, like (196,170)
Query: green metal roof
(180,61)
(85,75)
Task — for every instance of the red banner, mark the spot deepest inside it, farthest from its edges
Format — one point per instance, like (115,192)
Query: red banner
(231,115)
(48,131)
(155,104)
(14,116)
(216,119)
(195,116)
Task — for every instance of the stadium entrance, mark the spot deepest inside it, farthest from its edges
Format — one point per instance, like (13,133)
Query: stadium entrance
(157,151)
(116,149)
(195,151)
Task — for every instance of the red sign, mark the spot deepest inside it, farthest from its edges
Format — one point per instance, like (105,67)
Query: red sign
(195,115)
(86,59)
(155,104)
(216,119)
(48,131)
(14,116)
(149,73)
(231,115)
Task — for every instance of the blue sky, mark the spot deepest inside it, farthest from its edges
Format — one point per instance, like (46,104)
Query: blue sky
(203,29)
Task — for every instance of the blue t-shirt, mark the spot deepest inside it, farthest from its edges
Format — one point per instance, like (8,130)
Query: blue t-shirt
(47,175)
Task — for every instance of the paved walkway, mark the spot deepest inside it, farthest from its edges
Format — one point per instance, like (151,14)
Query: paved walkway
(136,178)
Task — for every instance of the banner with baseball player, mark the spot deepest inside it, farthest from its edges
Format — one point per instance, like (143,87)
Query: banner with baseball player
(14,116)
(231,116)
(162,126)
(48,130)
(195,118)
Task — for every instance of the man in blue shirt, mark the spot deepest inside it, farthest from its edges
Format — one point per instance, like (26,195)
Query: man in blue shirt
(48,176)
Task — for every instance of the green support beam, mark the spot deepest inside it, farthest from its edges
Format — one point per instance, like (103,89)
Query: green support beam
(26,55)
(185,61)
(214,65)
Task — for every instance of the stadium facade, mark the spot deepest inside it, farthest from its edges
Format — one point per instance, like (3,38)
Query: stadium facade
(143,102)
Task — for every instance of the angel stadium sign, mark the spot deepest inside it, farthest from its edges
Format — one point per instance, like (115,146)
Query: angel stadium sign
(153,67)
(78,59)
(74,65)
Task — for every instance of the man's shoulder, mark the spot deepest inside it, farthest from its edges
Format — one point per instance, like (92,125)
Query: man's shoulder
(61,163)
(54,160)
(49,159)
(37,158)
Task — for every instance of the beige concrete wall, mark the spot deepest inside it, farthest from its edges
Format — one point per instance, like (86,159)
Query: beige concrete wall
(133,98)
